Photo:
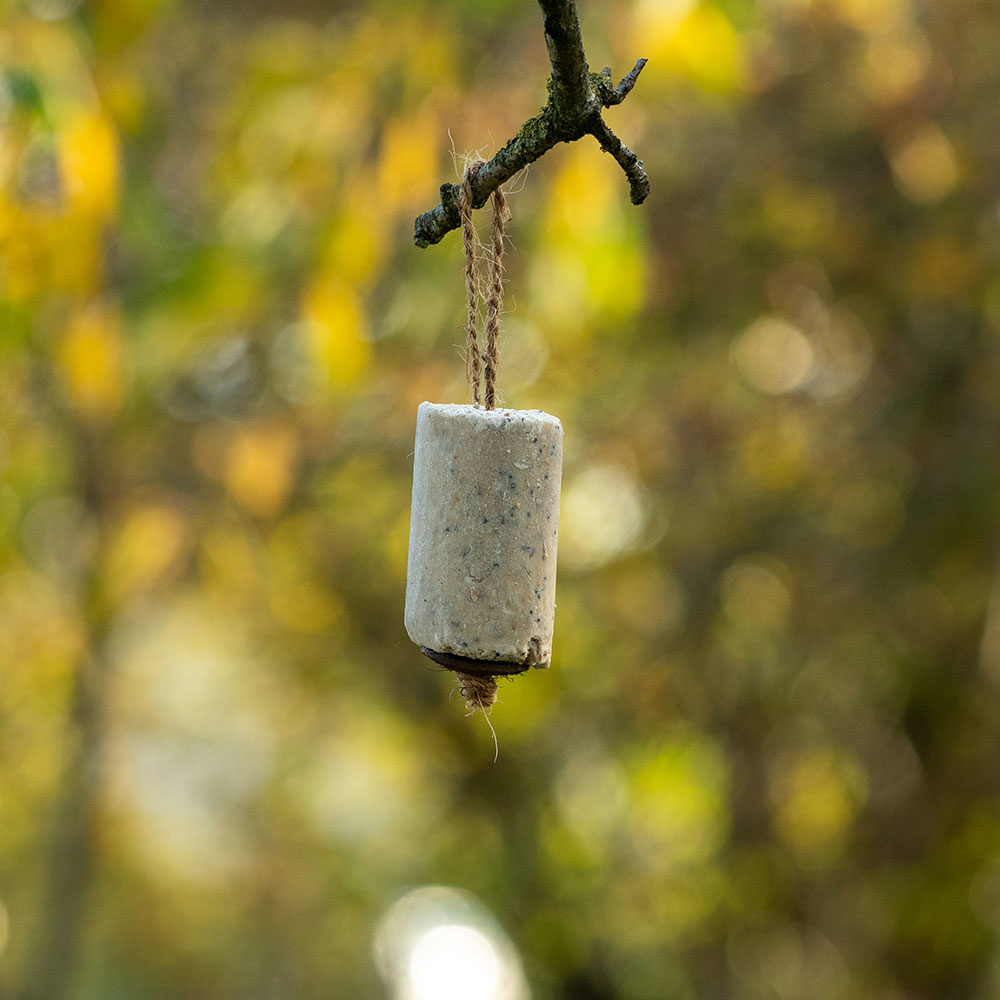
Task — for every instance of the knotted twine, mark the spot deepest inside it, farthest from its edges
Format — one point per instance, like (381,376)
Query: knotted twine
(480,690)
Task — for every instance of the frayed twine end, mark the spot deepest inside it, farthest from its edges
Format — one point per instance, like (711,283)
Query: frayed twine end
(480,694)
(478,690)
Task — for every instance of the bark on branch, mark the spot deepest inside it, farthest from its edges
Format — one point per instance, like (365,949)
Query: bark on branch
(577,98)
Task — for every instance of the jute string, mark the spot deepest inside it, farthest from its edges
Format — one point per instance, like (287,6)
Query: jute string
(480,694)
(480,690)
(472,297)
(486,361)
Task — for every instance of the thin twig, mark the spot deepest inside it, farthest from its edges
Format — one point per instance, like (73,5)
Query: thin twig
(576,98)
(637,180)
(629,80)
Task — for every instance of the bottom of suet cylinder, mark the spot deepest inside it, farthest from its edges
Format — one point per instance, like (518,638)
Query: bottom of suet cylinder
(468,665)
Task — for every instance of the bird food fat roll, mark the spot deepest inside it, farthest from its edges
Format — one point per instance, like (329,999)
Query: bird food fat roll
(481,578)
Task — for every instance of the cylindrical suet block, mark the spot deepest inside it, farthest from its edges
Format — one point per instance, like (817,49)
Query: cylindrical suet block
(481,578)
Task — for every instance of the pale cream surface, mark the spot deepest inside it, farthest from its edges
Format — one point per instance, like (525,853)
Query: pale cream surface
(481,578)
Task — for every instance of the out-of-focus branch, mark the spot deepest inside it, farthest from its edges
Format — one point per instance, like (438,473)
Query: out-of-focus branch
(71,846)
(576,99)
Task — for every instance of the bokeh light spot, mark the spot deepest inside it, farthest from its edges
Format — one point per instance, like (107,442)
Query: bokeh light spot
(816,797)
(603,514)
(437,943)
(925,165)
(774,356)
(754,595)
(454,963)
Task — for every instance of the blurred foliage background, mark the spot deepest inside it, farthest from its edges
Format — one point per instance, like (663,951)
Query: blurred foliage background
(766,760)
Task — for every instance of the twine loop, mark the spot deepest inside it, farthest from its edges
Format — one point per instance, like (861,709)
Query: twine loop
(481,367)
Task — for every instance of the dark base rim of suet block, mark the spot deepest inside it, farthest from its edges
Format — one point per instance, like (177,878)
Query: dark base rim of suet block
(467,665)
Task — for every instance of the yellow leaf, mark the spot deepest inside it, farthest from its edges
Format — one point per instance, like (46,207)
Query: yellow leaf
(74,247)
(89,359)
(336,330)
(616,277)
(88,160)
(698,41)
(356,245)
(145,548)
(593,264)
(260,467)
(585,198)
(23,251)
(408,164)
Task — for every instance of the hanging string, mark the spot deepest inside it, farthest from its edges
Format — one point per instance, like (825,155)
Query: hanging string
(469,244)
(480,690)
(494,304)
(494,299)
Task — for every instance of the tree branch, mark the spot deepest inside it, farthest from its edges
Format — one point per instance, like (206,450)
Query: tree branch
(569,88)
(638,182)
(576,99)
(628,82)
